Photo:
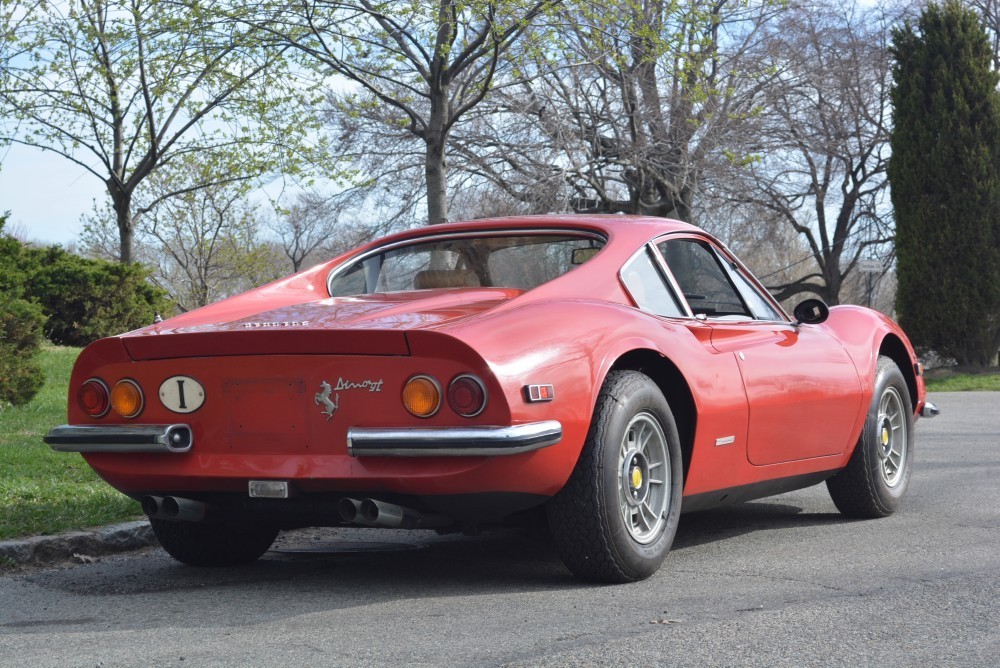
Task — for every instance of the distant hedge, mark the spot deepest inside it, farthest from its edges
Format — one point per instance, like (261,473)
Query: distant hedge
(83,300)
(20,338)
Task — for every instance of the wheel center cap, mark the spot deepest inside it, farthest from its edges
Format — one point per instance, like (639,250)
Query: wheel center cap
(635,478)
(885,436)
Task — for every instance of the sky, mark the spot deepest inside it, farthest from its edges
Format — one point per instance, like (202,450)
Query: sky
(46,194)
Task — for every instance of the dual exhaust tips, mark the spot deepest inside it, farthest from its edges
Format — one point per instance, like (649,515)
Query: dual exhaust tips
(367,512)
(174,508)
(370,512)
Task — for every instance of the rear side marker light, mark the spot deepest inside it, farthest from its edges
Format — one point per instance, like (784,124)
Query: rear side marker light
(422,396)
(94,398)
(537,393)
(467,395)
(127,399)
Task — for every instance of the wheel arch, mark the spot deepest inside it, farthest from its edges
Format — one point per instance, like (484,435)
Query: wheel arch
(671,382)
(894,348)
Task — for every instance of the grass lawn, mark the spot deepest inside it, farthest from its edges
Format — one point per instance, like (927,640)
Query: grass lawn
(962,382)
(46,492)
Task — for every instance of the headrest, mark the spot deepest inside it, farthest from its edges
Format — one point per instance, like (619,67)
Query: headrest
(445,278)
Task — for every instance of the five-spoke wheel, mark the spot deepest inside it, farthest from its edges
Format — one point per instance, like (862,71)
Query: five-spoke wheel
(616,517)
(876,477)
(644,473)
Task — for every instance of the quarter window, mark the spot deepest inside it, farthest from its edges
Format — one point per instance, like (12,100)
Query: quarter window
(648,288)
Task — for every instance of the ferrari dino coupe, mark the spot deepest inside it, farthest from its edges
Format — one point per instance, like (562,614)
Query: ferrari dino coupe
(609,371)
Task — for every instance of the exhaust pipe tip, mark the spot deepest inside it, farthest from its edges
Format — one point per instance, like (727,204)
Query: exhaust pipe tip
(349,509)
(382,514)
(152,505)
(184,510)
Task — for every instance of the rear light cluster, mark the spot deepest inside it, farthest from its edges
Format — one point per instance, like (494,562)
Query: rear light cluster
(125,398)
(423,396)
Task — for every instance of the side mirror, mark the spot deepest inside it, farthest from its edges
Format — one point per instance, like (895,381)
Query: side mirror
(811,312)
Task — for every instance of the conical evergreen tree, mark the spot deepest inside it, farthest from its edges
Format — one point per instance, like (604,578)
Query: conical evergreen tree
(945,179)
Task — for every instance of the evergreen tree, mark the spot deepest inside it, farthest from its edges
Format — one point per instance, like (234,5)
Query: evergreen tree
(945,179)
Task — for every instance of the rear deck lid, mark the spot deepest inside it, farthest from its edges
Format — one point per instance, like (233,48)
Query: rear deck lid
(365,325)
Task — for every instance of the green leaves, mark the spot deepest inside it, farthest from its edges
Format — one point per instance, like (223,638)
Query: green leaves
(120,86)
(945,176)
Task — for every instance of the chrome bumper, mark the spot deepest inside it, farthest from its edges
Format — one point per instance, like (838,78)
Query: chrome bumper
(453,441)
(929,410)
(120,438)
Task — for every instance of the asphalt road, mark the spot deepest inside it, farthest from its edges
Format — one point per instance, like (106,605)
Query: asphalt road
(783,581)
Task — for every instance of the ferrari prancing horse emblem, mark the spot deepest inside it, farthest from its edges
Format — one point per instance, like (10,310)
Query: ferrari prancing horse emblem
(323,399)
(330,406)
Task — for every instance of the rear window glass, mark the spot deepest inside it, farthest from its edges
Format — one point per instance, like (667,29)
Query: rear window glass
(521,261)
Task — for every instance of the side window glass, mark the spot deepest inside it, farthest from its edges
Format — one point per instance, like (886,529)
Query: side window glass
(761,308)
(648,288)
(351,282)
(702,279)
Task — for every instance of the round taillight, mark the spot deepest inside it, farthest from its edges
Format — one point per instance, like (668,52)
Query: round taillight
(126,398)
(467,395)
(422,396)
(93,398)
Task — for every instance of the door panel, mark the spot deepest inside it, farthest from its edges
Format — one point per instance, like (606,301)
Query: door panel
(802,388)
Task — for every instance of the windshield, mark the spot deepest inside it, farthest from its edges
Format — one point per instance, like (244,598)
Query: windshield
(520,261)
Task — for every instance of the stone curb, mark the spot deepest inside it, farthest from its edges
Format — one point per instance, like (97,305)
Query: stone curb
(105,540)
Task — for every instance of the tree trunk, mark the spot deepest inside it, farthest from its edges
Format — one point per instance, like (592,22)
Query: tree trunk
(122,203)
(437,186)
(435,168)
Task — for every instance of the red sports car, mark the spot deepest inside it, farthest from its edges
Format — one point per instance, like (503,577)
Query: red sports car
(613,370)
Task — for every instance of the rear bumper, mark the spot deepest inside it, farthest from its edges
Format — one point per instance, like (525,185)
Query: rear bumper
(453,441)
(176,438)
(361,442)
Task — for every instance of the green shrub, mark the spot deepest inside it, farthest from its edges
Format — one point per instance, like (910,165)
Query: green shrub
(20,340)
(83,300)
(89,299)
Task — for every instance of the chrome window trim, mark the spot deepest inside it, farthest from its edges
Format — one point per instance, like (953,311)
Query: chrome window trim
(665,276)
(724,255)
(458,234)
(671,280)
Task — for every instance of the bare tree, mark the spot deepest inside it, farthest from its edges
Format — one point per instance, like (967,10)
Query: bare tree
(124,87)
(819,159)
(202,245)
(417,68)
(316,227)
(660,90)
(208,243)
(989,10)
(305,227)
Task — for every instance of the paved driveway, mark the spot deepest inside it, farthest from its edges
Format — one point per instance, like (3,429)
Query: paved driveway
(785,581)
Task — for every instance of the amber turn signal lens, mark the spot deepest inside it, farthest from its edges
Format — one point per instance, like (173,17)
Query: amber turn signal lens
(126,398)
(93,398)
(422,396)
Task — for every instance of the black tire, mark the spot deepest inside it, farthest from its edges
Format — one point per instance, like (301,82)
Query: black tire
(611,523)
(878,473)
(213,544)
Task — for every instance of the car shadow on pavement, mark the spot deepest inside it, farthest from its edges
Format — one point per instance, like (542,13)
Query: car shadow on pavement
(709,526)
(361,566)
